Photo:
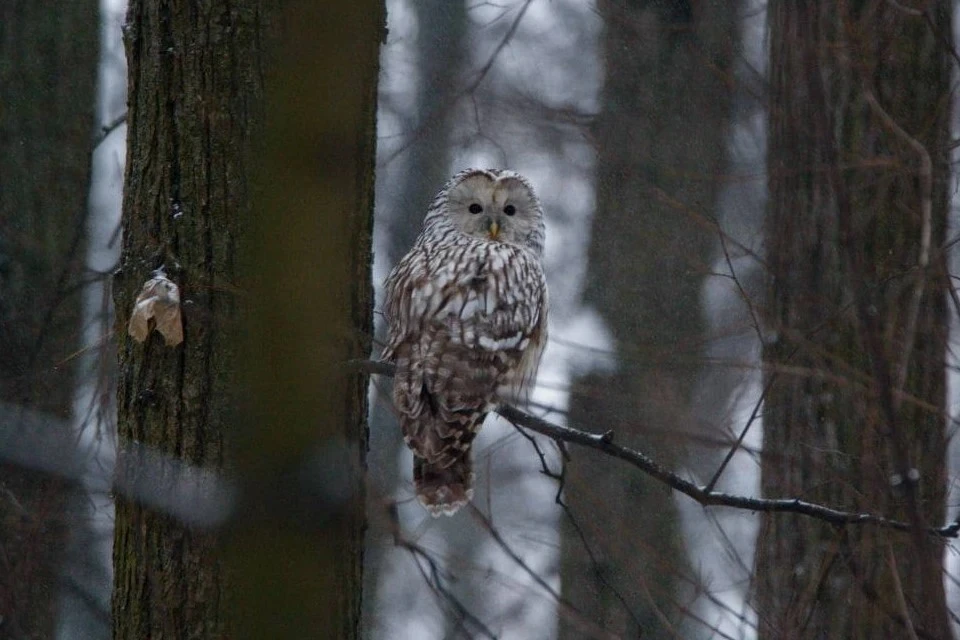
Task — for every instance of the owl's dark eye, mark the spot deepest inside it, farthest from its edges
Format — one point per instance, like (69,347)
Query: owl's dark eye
(509,209)
(475,208)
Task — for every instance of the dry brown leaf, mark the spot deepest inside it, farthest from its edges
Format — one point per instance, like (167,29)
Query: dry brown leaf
(159,302)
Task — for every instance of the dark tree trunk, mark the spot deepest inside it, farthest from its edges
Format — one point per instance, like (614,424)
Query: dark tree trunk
(662,135)
(194,104)
(48,73)
(848,191)
(200,87)
(298,553)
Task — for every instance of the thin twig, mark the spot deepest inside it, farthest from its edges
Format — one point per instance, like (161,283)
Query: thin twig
(107,129)
(594,561)
(907,10)
(478,79)
(926,214)
(898,590)
(434,577)
(743,433)
(754,316)
(583,624)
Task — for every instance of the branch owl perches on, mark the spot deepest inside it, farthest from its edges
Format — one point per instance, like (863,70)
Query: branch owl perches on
(467,314)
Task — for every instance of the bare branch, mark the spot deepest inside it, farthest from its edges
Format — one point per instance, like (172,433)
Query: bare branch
(109,128)
(468,90)
(433,575)
(754,415)
(708,498)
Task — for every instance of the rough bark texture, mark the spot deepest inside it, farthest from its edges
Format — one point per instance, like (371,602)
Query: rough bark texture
(662,144)
(298,551)
(47,73)
(843,242)
(195,93)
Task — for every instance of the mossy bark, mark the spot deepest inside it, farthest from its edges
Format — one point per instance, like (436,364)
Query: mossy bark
(843,243)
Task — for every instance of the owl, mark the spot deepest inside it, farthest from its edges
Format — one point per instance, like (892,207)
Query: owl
(467,315)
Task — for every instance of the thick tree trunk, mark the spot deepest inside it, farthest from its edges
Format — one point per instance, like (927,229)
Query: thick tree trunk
(195,94)
(858,157)
(48,70)
(197,103)
(298,553)
(662,147)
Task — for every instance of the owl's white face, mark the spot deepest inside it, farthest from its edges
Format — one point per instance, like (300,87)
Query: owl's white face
(495,205)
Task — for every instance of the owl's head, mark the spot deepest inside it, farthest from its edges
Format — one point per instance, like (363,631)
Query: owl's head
(494,204)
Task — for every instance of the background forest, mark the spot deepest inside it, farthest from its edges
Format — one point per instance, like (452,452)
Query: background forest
(744,423)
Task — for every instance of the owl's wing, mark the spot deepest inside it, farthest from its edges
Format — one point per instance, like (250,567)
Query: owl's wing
(511,323)
(407,278)
(521,382)
(466,321)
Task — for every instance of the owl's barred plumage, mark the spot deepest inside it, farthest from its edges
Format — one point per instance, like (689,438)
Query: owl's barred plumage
(467,311)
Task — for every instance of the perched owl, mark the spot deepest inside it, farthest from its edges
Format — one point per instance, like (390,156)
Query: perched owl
(467,313)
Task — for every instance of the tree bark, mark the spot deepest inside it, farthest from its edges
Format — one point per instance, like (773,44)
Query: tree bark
(48,73)
(662,135)
(858,157)
(194,106)
(275,213)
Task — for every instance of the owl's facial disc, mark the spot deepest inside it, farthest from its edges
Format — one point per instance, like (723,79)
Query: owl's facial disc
(500,209)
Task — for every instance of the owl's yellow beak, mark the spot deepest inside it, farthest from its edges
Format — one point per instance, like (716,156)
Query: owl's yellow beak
(494,229)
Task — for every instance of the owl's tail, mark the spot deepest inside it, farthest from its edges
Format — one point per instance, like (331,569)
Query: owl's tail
(443,489)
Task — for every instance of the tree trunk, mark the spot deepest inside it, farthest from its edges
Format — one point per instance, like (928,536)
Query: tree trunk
(298,553)
(662,135)
(48,73)
(858,157)
(194,105)
(197,103)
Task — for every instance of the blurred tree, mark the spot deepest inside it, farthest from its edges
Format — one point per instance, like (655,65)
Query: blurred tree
(201,160)
(859,191)
(661,137)
(440,51)
(298,552)
(48,70)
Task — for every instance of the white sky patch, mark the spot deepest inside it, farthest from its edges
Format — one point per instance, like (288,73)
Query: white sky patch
(718,559)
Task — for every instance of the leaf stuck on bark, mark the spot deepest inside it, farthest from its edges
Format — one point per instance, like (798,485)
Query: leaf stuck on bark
(157,307)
